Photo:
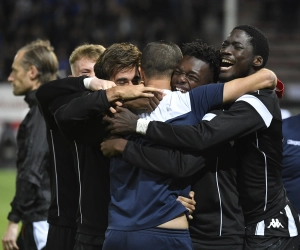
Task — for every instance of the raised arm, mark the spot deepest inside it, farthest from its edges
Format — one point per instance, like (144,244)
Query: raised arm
(262,79)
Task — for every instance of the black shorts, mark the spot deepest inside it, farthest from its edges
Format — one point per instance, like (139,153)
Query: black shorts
(199,246)
(85,246)
(88,242)
(60,238)
(254,242)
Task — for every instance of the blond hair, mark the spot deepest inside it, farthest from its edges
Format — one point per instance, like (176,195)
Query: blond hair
(89,51)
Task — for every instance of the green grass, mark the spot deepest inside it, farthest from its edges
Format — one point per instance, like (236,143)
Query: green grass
(7,191)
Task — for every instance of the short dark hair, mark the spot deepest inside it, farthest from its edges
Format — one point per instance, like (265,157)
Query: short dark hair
(117,57)
(258,41)
(205,53)
(160,58)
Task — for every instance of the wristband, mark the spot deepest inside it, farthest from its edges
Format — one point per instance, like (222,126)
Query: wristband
(142,126)
(87,82)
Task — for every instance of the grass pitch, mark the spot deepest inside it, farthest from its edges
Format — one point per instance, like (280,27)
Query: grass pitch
(7,191)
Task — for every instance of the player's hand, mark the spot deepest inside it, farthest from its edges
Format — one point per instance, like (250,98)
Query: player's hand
(116,104)
(143,105)
(189,203)
(136,91)
(97,84)
(113,147)
(123,122)
(10,237)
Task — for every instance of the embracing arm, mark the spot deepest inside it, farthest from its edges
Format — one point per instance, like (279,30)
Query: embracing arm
(81,118)
(167,161)
(49,91)
(143,104)
(262,79)
(158,159)
(224,126)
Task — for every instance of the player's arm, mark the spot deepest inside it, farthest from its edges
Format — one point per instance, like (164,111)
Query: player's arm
(49,91)
(262,79)
(81,118)
(162,160)
(121,93)
(221,127)
(9,240)
(143,104)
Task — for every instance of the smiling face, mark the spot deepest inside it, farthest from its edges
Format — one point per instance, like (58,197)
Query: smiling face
(237,56)
(83,66)
(190,73)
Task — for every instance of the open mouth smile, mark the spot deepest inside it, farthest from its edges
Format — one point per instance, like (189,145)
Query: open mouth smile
(226,64)
(181,90)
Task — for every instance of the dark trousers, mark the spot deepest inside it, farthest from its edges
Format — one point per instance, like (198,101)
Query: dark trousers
(198,246)
(61,238)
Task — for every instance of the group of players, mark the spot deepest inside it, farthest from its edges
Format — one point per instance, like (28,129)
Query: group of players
(124,155)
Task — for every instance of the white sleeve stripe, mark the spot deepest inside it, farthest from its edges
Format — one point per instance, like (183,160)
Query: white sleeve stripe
(208,117)
(291,222)
(260,228)
(260,108)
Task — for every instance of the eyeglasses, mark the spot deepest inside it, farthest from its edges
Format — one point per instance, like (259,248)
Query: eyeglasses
(189,77)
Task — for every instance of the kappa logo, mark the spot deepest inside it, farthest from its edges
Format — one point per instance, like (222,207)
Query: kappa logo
(275,223)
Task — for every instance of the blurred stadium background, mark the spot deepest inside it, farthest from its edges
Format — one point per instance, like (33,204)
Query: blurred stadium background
(69,23)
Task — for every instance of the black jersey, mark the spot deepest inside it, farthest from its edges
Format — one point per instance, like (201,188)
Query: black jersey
(254,122)
(80,120)
(63,175)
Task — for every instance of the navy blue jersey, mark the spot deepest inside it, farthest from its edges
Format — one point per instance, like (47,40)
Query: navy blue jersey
(291,159)
(142,199)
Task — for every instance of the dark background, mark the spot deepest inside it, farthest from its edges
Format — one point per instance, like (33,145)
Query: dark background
(69,23)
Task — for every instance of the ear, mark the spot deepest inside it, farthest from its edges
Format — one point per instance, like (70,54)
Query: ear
(33,72)
(142,74)
(258,61)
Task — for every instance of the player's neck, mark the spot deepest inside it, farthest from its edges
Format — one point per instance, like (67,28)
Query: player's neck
(158,83)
